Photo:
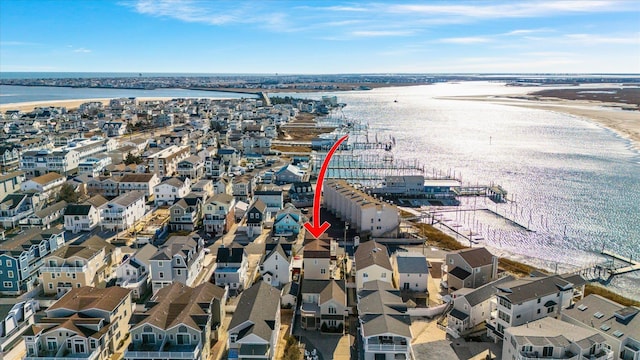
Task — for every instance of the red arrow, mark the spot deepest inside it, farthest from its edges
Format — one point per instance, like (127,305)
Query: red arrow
(316,229)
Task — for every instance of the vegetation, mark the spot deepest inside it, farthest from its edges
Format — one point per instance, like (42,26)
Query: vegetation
(291,349)
(608,294)
(132,159)
(68,193)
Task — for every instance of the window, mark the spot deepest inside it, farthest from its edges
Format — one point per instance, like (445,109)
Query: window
(547,351)
(527,348)
(50,286)
(550,309)
(383,275)
(161,275)
(365,275)
(8,263)
(10,273)
(332,310)
(9,284)
(323,271)
(52,344)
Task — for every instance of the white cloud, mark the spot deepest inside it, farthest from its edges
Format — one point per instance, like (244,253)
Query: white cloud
(381,33)
(82,50)
(17,43)
(465,40)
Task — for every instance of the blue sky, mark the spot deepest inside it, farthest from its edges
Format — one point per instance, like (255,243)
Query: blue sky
(321,37)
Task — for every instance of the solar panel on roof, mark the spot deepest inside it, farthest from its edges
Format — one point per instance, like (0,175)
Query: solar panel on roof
(598,315)
(618,333)
(582,307)
(605,327)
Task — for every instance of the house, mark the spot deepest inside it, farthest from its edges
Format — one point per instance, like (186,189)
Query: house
(13,208)
(219,214)
(214,167)
(123,211)
(271,198)
(15,318)
(288,221)
(411,271)
(10,182)
(528,299)
(180,258)
(275,267)
(171,189)
(186,213)
(372,263)
(47,185)
(618,324)
(242,187)
(114,128)
(222,185)
(549,338)
(317,259)
(470,268)
(368,215)
(255,325)
(255,217)
(165,162)
(179,323)
(301,194)
(40,162)
(231,268)
(138,182)
(91,263)
(204,187)
(21,258)
(133,272)
(87,323)
(229,156)
(385,326)
(9,158)
(473,307)
(81,217)
(45,217)
(191,167)
(324,305)
(289,174)
(94,166)
(289,295)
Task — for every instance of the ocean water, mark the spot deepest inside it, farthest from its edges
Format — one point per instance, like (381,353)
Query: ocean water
(575,183)
(15,94)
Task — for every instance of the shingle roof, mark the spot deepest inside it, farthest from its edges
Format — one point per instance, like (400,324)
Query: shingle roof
(521,290)
(382,311)
(87,297)
(230,255)
(333,291)
(137,178)
(259,304)
(413,263)
(459,272)
(47,178)
(371,253)
(97,201)
(484,292)
(74,209)
(476,257)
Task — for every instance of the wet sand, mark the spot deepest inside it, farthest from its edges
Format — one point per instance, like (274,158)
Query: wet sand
(624,119)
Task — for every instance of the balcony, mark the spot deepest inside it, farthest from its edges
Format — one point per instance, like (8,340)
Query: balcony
(396,344)
(132,283)
(248,351)
(64,269)
(165,350)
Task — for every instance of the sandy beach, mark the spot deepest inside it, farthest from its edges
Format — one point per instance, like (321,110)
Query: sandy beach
(615,116)
(69,104)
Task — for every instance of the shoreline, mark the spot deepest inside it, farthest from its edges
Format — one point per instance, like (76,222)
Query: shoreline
(620,118)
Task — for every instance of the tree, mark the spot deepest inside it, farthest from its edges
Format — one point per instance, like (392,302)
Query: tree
(132,159)
(68,193)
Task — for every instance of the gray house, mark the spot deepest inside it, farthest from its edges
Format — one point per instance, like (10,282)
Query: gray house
(180,258)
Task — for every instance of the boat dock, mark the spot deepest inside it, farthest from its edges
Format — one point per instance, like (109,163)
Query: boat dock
(494,192)
(625,265)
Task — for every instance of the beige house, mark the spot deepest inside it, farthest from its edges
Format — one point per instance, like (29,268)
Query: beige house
(74,266)
(469,268)
(372,263)
(87,323)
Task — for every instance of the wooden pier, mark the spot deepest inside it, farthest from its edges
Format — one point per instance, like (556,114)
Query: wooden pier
(628,264)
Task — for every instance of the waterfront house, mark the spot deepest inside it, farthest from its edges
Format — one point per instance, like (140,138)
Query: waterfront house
(133,272)
(180,258)
(219,214)
(72,266)
(549,338)
(528,299)
(288,221)
(368,215)
(186,213)
(411,271)
(22,256)
(324,305)
(231,268)
(618,324)
(469,268)
(15,318)
(372,263)
(86,323)
(179,323)
(275,267)
(138,182)
(123,211)
(473,307)
(255,325)
(171,189)
(385,326)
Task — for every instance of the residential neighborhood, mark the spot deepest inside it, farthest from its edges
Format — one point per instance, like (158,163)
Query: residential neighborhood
(174,229)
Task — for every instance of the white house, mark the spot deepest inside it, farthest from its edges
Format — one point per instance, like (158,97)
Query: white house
(275,267)
(47,185)
(81,217)
(171,189)
(123,211)
(134,272)
(138,182)
(372,263)
(231,268)
(15,319)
